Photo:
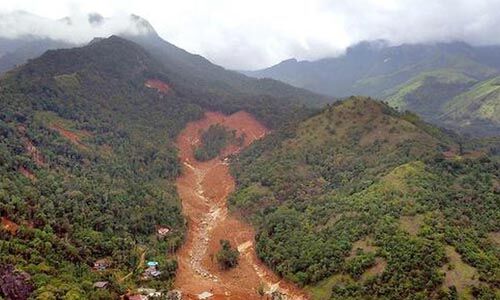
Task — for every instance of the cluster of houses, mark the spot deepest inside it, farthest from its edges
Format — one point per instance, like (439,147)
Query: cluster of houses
(151,272)
(145,293)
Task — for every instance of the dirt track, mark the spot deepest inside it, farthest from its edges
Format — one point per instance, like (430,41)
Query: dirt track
(203,188)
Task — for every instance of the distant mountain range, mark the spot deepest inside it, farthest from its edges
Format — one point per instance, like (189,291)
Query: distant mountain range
(452,84)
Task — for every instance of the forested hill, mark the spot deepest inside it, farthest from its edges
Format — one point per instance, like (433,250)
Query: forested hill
(87,166)
(200,77)
(362,202)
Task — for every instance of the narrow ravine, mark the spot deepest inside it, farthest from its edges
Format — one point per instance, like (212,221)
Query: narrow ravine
(204,188)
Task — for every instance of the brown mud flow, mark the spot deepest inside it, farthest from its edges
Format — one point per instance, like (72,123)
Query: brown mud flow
(204,188)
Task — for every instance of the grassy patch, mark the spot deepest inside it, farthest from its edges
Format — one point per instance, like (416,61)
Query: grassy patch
(365,245)
(323,289)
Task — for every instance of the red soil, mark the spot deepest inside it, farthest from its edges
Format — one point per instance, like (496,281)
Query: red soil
(9,225)
(36,155)
(74,137)
(27,173)
(158,85)
(204,188)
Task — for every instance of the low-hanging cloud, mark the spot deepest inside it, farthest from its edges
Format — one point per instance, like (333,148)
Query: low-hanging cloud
(258,33)
(77,28)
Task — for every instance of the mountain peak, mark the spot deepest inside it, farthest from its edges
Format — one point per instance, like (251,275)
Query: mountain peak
(141,26)
(95,19)
(367,46)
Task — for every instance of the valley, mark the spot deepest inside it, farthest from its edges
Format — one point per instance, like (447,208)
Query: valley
(133,169)
(203,188)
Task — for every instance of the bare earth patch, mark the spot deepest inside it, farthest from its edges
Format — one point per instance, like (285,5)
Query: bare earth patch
(365,244)
(9,225)
(27,173)
(377,269)
(458,273)
(411,224)
(158,85)
(495,237)
(73,136)
(36,155)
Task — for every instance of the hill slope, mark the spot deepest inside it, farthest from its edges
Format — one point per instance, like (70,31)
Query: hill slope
(478,107)
(88,164)
(360,202)
(87,169)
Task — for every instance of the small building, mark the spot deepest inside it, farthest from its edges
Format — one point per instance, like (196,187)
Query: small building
(162,231)
(151,272)
(156,273)
(102,264)
(152,264)
(101,284)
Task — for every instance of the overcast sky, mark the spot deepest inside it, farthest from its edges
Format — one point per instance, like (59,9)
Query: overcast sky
(253,34)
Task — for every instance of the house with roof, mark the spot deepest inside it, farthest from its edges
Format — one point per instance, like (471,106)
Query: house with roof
(152,270)
(162,231)
(101,284)
(102,264)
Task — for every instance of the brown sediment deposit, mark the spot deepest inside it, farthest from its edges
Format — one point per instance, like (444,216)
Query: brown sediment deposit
(9,225)
(204,188)
(74,137)
(158,85)
(27,173)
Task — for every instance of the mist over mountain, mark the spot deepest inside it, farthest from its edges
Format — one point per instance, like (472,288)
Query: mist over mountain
(255,34)
(26,36)
(76,29)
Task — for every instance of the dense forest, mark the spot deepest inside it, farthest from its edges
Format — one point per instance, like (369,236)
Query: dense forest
(363,202)
(214,140)
(88,163)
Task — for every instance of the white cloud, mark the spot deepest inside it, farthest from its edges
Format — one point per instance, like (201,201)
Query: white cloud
(252,34)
